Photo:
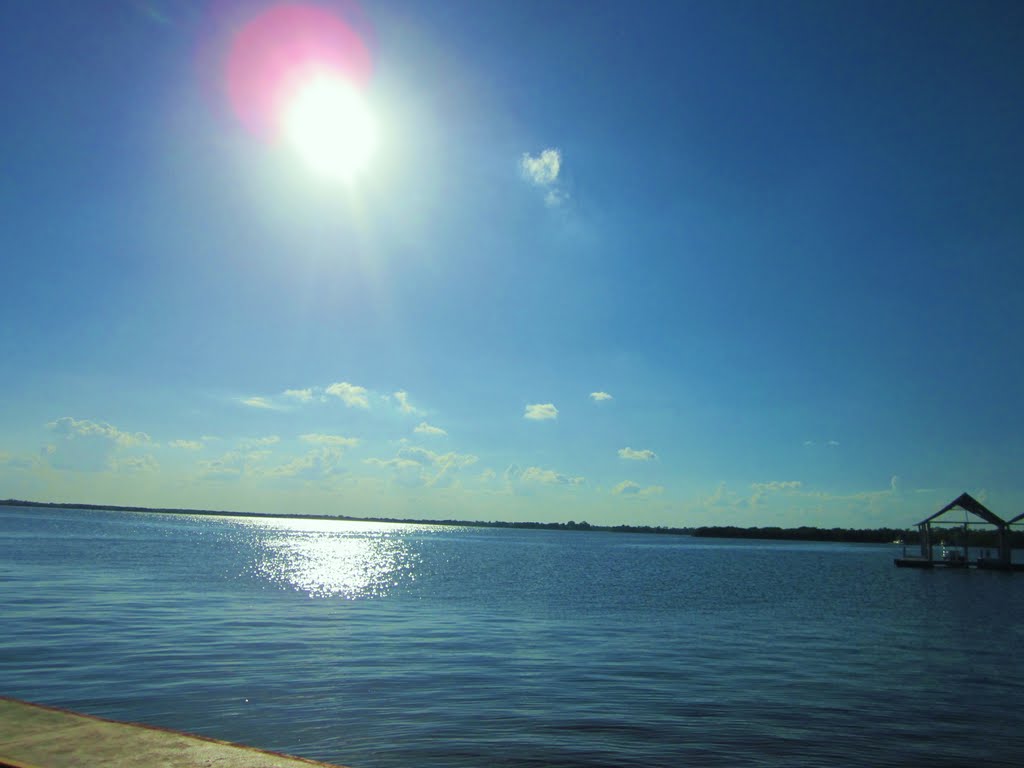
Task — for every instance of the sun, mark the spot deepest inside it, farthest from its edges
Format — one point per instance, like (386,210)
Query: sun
(329,124)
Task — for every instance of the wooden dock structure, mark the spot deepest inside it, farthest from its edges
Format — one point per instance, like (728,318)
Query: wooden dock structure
(36,736)
(959,556)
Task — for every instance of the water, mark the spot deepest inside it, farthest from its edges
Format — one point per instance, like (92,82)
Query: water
(379,646)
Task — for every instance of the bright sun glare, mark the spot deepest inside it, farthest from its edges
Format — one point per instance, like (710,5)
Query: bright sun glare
(331,127)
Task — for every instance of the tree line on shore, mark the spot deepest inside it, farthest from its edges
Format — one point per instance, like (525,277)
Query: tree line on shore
(951,536)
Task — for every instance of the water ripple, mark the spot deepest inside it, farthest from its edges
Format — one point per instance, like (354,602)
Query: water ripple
(464,647)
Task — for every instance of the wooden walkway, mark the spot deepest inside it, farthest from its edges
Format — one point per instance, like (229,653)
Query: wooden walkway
(34,736)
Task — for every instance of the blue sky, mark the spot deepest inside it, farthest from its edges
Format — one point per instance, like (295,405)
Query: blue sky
(783,240)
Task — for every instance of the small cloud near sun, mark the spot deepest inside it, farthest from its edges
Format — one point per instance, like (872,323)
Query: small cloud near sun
(598,397)
(542,171)
(540,412)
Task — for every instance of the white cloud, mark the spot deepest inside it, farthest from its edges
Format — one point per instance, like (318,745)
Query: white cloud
(776,485)
(336,441)
(540,412)
(230,464)
(188,445)
(71,428)
(722,497)
(396,462)
(403,402)
(350,394)
(256,442)
(555,197)
(543,169)
(417,454)
(234,463)
(302,395)
(321,462)
(629,488)
(415,466)
(598,397)
(424,456)
(134,464)
(826,443)
(257,402)
(548,477)
(407,473)
(773,486)
(637,455)
(428,429)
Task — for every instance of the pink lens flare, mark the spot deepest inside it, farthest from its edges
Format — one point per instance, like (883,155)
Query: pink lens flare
(283,47)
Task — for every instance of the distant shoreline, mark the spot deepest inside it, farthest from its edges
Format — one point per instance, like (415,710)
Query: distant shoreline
(803,533)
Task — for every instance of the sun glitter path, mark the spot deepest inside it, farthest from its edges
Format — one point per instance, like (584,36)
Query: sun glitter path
(34,736)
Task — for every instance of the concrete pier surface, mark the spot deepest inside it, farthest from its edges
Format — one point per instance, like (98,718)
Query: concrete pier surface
(34,736)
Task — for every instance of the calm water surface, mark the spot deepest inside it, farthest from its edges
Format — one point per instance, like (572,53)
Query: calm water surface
(381,646)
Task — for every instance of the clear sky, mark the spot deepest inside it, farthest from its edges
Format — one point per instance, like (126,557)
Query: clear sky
(668,263)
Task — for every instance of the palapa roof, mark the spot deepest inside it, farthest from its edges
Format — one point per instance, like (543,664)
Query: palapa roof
(975,507)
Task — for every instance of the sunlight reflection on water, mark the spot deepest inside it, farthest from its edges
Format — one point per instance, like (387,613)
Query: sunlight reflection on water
(335,559)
